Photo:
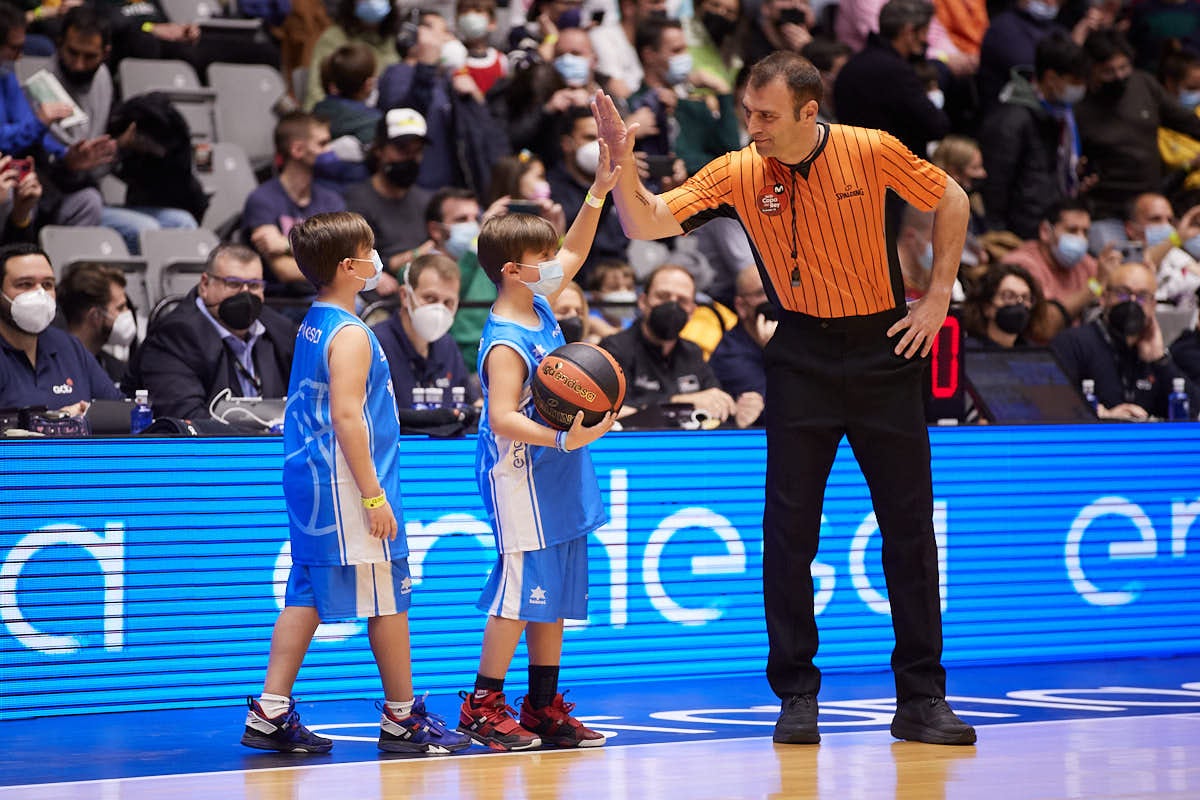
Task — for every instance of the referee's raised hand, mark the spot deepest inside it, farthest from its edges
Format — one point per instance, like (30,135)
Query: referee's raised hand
(612,129)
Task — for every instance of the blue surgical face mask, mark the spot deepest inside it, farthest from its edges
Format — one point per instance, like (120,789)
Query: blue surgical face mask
(372,11)
(1041,10)
(550,277)
(678,68)
(1189,100)
(462,238)
(575,70)
(926,257)
(1158,233)
(370,283)
(1070,249)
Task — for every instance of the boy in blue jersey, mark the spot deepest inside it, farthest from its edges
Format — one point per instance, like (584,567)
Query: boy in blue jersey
(341,485)
(538,484)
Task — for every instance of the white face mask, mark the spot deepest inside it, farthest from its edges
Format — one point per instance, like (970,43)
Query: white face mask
(620,296)
(123,330)
(430,321)
(370,283)
(454,55)
(937,97)
(1073,93)
(33,311)
(550,278)
(588,157)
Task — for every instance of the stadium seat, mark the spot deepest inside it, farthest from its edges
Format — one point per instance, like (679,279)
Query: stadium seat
(179,82)
(246,97)
(174,259)
(186,12)
(67,245)
(228,184)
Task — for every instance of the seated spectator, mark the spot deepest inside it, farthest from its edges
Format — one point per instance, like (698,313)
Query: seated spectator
(1123,351)
(569,181)
(1070,279)
(738,360)
(1011,40)
(577,322)
(828,57)
(660,367)
(962,160)
(464,139)
(20,192)
(613,43)
(777,25)
(1186,352)
(1029,140)
(25,131)
(1168,249)
(715,36)
(521,179)
(614,288)
(1004,308)
(78,63)
(348,75)
(1118,126)
(452,224)
(92,299)
(390,201)
(416,339)
(476,22)
(373,23)
(914,250)
(290,197)
(219,337)
(1179,74)
(40,365)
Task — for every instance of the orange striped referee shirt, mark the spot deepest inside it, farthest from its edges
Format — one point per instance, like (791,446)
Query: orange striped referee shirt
(817,228)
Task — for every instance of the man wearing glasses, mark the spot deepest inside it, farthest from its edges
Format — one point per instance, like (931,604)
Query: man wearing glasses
(219,337)
(1123,350)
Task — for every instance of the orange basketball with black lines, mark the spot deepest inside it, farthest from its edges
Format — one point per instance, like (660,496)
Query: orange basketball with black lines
(577,377)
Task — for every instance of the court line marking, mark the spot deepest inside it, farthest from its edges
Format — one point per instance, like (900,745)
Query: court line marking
(557,751)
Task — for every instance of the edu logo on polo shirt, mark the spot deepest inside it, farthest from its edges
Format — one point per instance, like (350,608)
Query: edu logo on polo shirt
(64,388)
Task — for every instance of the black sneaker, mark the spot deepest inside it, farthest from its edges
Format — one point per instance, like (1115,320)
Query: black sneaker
(283,733)
(797,720)
(930,720)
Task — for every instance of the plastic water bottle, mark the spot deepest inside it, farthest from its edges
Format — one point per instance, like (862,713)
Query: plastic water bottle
(458,397)
(435,396)
(418,398)
(1178,409)
(141,415)
(1089,394)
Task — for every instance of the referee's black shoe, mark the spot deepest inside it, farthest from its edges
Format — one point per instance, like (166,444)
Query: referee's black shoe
(930,720)
(797,722)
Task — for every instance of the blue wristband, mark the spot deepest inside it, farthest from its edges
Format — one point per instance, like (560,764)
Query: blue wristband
(560,442)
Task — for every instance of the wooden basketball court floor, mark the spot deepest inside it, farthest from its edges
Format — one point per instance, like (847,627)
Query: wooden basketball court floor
(1094,730)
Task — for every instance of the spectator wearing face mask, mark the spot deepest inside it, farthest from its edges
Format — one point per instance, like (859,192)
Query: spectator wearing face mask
(575,319)
(714,37)
(1058,259)
(219,337)
(92,299)
(1030,141)
(41,365)
(778,25)
(614,43)
(569,181)
(371,22)
(1004,309)
(519,182)
(914,250)
(390,201)
(416,339)
(1170,249)
(660,367)
(738,360)
(1179,74)
(474,25)
(1123,351)
(1011,40)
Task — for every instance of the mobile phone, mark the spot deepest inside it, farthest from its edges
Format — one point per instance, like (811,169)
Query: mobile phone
(23,166)
(791,16)
(202,155)
(1131,252)
(660,166)
(523,207)
(598,17)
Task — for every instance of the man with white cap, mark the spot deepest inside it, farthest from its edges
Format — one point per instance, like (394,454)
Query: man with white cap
(390,201)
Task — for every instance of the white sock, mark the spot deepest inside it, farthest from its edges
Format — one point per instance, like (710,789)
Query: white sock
(273,704)
(399,710)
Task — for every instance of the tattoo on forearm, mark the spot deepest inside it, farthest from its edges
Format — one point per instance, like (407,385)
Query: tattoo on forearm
(641,198)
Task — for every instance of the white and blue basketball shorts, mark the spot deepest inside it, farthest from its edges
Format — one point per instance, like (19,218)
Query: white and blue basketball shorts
(353,591)
(539,585)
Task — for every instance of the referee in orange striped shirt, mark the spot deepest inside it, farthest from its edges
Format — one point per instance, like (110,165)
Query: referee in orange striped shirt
(846,360)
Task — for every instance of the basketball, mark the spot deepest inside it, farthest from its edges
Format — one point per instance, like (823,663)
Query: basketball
(577,377)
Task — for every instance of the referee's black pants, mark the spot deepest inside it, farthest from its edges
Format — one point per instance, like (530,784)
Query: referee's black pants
(827,378)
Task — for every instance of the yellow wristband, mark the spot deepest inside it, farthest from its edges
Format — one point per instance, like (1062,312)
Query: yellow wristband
(1096,287)
(375,502)
(593,201)
(551,40)
(1175,239)
(147,27)
(37,13)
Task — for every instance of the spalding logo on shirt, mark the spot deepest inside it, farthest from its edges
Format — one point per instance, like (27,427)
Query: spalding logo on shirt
(771,200)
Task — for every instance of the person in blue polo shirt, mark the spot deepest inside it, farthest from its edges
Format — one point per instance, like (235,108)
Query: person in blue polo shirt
(41,365)
(738,360)
(419,349)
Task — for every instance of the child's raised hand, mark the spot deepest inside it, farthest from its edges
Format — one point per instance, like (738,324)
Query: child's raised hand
(607,173)
(580,436)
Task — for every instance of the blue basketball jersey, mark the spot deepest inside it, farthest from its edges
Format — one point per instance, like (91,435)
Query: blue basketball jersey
(535,496)
(326,517)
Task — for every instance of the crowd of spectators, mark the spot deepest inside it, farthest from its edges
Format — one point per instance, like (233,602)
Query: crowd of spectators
(1074,125)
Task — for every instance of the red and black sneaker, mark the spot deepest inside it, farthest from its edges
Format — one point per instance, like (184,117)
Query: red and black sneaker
(491,722)
(555,725)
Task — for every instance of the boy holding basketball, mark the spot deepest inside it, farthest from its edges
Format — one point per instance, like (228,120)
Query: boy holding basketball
(341,486)
(538,483)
